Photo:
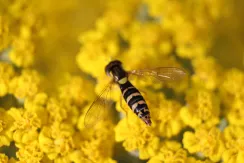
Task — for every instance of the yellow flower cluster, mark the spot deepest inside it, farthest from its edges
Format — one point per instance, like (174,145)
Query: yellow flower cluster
(202,108)
(233,135)
(4,159)
(51,71)
(6,75)
(5,36)
(208,142)
(232,94)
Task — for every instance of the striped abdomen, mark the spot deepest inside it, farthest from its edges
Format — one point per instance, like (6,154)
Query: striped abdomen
(135,101)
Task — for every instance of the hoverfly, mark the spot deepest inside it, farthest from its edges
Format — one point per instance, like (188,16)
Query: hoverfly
(131,94)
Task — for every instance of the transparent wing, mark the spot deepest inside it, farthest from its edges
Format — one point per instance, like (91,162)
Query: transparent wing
(161,73)
(98,109)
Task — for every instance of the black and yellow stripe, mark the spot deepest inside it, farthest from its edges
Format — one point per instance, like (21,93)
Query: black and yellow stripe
(134,99)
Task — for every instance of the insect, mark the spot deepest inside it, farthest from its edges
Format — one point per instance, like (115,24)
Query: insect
(130,93)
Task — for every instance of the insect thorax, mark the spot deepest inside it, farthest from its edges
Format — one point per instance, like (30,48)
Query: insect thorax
(115,70)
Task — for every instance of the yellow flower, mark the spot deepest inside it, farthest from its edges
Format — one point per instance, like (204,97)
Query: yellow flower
(207,141)
(165,115)
(97,151)
(33,27)
(156,47)
(231,86)
(150,149)
(23,49)
(202,108)
(22,52)
(60,111)
(234,142)
(136,136)
(57,111)
(235,112)
(193,36)
(232,95)
(191,40)
(73,90)
(96,143)
(232,132)
(119,13)
(56,140)
(25,85)
(6,74)
(5,128)
(5,35)
(159,8)
(193,50)
(194,160)
(30,153)
(170,151)
(207,73)
(17,8)
(78,157)
(37,104)
(5,159)
(73,113)
(93,60)
(137,32)
(50,109)
(62,159)
(25,126)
